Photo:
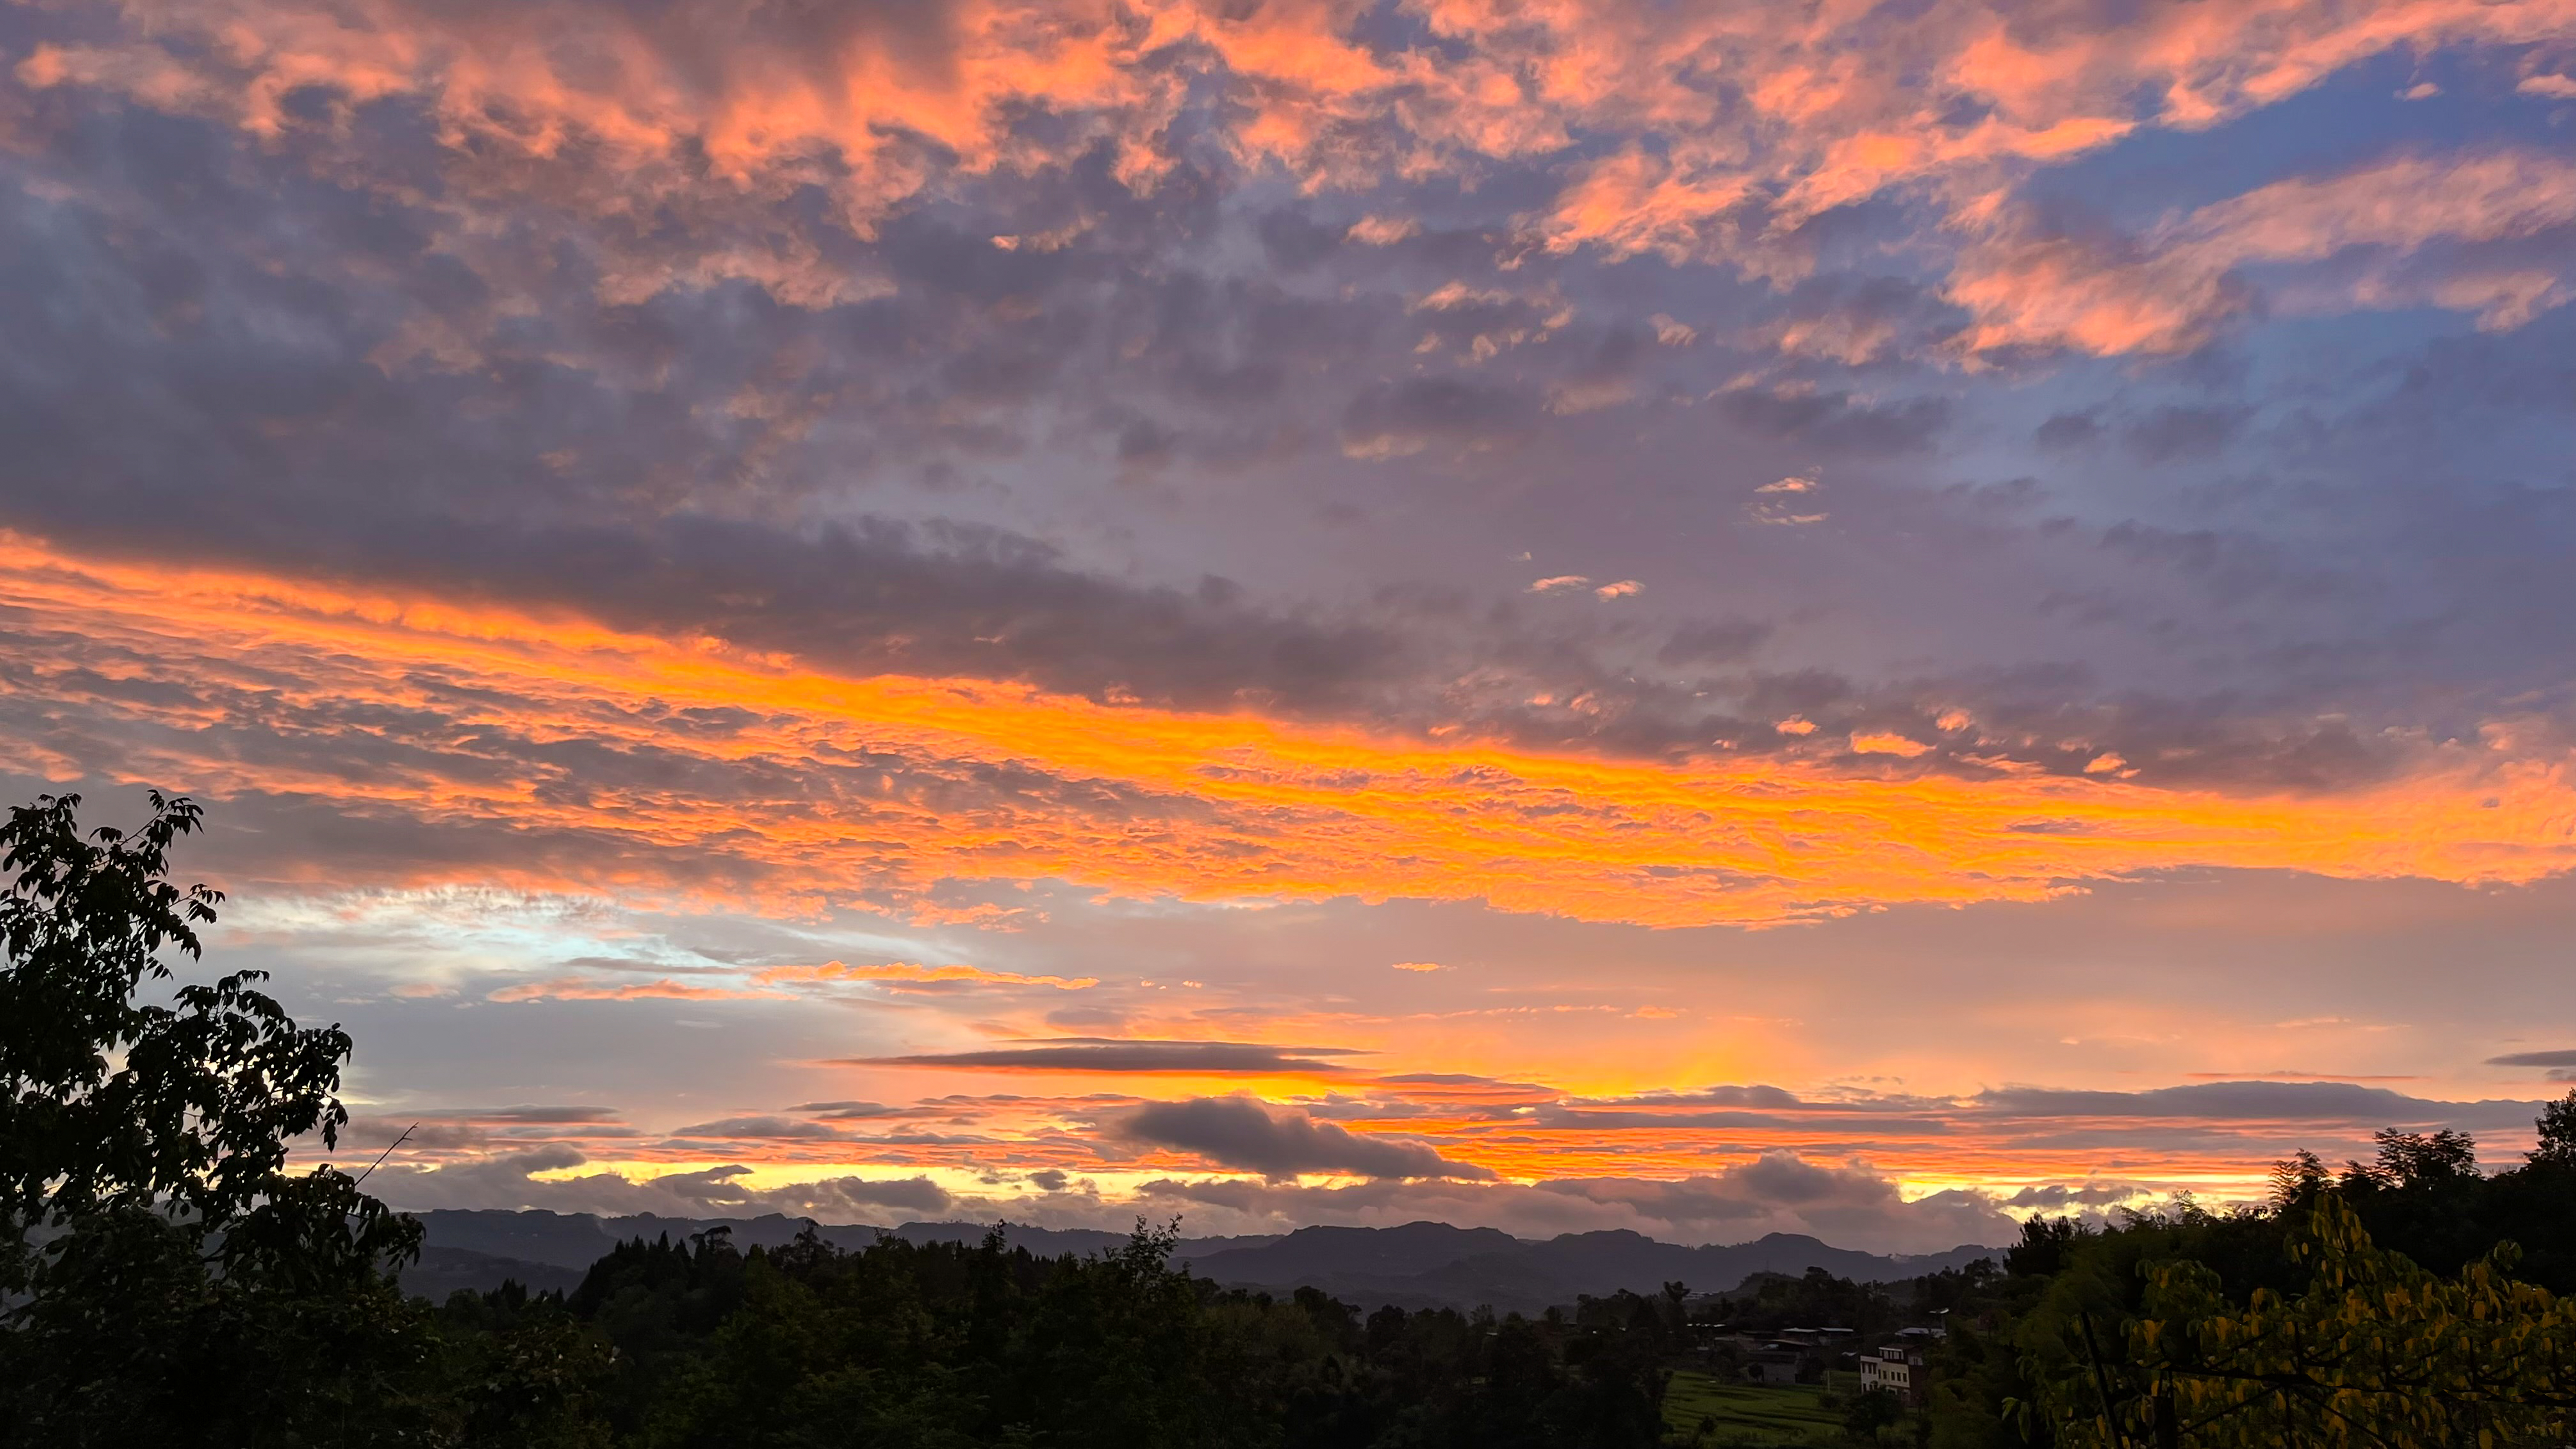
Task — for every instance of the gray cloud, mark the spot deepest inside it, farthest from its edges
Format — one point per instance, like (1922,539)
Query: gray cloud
(527,1116)
(1118,1055)
(2534,1059)
(2180,431)
(506,1180)
(1418,413)
(1838,422)
(1243,1133)
(366,1131)
(480,1128)
(910,1194)
(1840,1203)
(759,1129)
(2057,1197)
(1722,642)
(2067,432)
(853,1111)
(2314,1102)
(1846,1205)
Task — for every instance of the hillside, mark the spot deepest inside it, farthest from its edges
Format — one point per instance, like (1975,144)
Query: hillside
(1417,1265)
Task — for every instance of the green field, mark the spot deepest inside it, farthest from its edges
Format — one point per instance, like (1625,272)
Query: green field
(1745,1416)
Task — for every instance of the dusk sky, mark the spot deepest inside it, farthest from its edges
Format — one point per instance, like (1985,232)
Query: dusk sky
(1854,618)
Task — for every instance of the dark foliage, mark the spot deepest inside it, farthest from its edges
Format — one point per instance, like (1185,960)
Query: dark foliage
(1770,1302)
(945,1344)
(167,1279)
(2070,1288)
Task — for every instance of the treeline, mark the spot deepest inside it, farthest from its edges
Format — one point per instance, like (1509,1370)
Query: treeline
(907,1346)
(1770,1302)
(2411,1300)
(947,1344)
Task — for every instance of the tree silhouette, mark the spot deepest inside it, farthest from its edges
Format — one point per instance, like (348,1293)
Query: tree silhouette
(2557,1144)
(169,1278)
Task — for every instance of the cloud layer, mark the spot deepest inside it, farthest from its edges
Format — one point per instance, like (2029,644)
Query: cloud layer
(1312,1169)
(699,770)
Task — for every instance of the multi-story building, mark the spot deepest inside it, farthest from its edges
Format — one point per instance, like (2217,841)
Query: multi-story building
(1897,1368)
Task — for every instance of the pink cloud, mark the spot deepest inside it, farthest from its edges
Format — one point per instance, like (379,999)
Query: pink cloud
(1728,126)
(2167,290)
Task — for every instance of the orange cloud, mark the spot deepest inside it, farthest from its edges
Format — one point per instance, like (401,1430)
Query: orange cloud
(1888,744)
(578,757)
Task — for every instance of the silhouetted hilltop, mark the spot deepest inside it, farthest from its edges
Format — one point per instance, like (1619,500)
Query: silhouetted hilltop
(1426,1265)
(1418,1265)
(1054,1242)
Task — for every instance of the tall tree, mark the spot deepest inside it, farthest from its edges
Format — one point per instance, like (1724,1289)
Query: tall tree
(2556,1146)
(170,1278)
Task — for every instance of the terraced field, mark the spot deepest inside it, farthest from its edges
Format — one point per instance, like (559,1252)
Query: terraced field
(1743,1416)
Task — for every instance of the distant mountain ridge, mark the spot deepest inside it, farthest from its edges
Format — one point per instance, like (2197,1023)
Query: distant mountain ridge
(1425,1265)
(1418,1265)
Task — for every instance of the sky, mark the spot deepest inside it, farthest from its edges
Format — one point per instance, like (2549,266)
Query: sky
(1851,618)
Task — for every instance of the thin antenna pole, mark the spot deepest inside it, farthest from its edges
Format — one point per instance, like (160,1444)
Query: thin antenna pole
(388,1152)
(2102,1382)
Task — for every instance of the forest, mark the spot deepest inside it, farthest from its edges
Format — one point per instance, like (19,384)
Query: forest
(171,1273)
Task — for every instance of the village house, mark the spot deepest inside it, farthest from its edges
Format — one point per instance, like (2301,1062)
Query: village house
(1897,1368)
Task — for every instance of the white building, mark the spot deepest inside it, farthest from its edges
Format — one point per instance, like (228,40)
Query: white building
(1897,1368)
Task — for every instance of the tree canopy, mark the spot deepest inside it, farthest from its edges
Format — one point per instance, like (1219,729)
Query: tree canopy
(2307,1320)
(169,1276)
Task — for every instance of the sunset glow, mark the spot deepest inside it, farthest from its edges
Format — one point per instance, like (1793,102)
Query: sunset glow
(1565,607)
(1202,807)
